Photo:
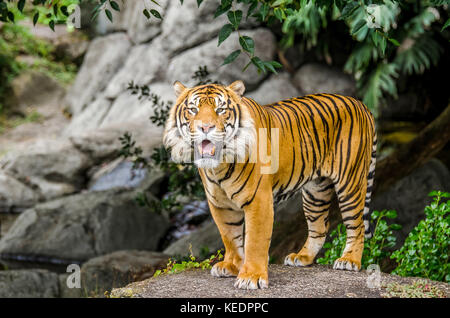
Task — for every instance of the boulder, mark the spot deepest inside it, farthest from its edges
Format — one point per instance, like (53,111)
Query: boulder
(54,167)
(131,107)
(35,89)
(409,195)
(118,173)
(185,64)
(145,63)
(33,283)
(14,195)
(317,78)
(83,226)
(275,88)
(118,269)
(131,20)
(103,59)
(206,237)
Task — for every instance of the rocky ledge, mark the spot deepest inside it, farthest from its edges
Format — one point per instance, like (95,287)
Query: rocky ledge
(285,281)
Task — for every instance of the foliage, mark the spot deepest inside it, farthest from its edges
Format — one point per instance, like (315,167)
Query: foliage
(192,263)
(375,249)
(418,289)
(16,40)
(391,38)
(425,252)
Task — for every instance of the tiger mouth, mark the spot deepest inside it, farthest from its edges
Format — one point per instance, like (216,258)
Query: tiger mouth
(206,149)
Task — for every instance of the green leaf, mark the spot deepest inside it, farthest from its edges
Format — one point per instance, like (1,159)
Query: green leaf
(114,5)
(394,41)
(11,16)
(258,63)
(247,43)
(222,8)
(447,23)
(35,18)
(21,5)
(264,11)
(155,14)
(51,24)
(230,58)
(251,8)
(225,32)
(146,13)
(109,15)
(349,9)
(235,18)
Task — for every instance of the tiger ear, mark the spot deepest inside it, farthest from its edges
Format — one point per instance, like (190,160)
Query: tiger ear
(238,87)
(179,88)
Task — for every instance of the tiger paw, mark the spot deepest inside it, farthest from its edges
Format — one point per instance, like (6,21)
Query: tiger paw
(298,260)
(348,264)
(252,279)
(224,269)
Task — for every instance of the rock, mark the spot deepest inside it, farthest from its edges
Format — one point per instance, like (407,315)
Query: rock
(72,47)
(145,63)
(103,143)
(317,78)
(35,283)
(54,167)
(82,226)
(89,118)
(132,20)
(409,196)
(206,237)
(66,292)
(116,174)
(118,269)
(274,89)
(14,195)
(185,64)
(129,106)
(104,58)
(35,89)
(284,281)
(186,25)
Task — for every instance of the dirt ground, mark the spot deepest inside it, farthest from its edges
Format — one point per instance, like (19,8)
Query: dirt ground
(316,281)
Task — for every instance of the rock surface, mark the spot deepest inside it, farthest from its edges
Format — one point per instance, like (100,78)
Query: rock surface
(118,269)
(35,283)
(409,196)
(206,237)
(317,78)
(83,226)
(284,282)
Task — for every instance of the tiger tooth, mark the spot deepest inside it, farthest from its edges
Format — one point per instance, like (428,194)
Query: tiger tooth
(213,151)
(200,149)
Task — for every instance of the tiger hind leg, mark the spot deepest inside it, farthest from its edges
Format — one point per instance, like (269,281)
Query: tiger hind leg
(317,195)
(351,204)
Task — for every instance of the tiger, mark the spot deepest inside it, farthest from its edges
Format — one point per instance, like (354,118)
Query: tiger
(319,144)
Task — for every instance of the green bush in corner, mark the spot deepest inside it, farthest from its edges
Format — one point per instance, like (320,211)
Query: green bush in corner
(426,249)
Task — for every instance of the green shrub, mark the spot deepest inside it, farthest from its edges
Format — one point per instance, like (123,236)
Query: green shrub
(425,252)
(375,249)
(173,266)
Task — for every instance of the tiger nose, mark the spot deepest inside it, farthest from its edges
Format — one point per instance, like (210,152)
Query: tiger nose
(206,127)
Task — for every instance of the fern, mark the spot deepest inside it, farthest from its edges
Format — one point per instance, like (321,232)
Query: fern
(380,80)
(415,56)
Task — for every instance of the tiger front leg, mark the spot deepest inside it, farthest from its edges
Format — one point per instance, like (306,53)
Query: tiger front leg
(258,234)
(231,227)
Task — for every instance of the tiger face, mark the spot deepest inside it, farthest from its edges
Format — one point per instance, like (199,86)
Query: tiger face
(208,125)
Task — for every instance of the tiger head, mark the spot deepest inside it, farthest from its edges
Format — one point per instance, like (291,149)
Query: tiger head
(209,125)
